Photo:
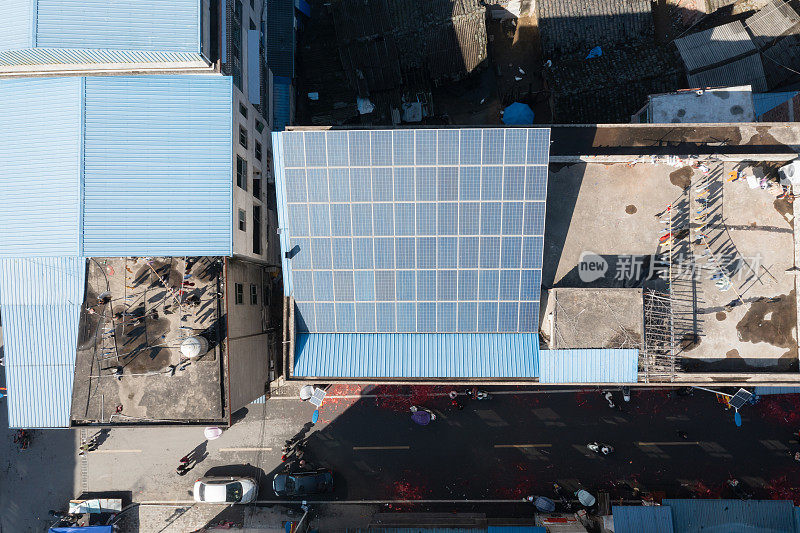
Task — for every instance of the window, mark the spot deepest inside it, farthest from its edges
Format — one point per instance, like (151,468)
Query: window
(257,229)
(253,295)
(256,187)
(239,293)
(242,220)
(259,126)
(258,150)
(241,173)
(243,110)
(243,136)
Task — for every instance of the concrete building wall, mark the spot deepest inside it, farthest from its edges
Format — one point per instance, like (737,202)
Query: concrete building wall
(250,187)
(248,340)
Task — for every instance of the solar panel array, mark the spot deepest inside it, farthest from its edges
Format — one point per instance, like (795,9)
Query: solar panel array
(426,231)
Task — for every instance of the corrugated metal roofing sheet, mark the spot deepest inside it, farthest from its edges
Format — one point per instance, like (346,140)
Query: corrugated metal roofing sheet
(516,529)
(774,19)
(154,25)
(40,302)
(419,355)
(40,184)
(588,366)
(746,71)
(46,56)
(722,43)
(766,391)
(66,27)
(40,153)
(117,166)
(42,281)
(732,516)
(642,519)
(158,166)
(18,27)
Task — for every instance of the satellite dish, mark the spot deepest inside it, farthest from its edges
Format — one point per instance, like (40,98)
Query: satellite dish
(738,419)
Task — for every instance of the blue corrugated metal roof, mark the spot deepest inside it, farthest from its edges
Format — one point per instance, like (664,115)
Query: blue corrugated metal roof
(763,102)
(642,519)
(40,302)
(68,28)
(797,519)
(281,103)
(765,391)
(732,516)
(158,166)
(146,170)
(589,366)
(40,154)
(418,355)
(516,529)
(18,27)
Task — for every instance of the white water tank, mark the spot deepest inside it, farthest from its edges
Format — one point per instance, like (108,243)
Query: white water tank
(790,175)
(194,347)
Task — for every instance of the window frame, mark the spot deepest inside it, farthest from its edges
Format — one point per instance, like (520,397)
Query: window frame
(243,110)
(242,220)
(243,140)
(253,294)
(238,296)
(242,174)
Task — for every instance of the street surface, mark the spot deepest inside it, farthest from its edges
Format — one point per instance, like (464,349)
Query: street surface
(515,444)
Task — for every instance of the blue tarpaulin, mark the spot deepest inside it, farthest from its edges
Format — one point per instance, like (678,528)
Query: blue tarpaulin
(518,113)
(595,52)
(87,529)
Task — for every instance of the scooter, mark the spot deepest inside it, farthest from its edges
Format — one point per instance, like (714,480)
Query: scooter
(422,415)
(476,394)
(738,490)
(23,438)
(600,448)
(564,497)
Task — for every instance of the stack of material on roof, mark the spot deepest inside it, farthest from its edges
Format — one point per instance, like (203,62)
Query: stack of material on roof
(382,43)
(567,26)
(731,54)
(721,57)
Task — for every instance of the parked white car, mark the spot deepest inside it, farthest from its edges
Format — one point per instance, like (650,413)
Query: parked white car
(225,490)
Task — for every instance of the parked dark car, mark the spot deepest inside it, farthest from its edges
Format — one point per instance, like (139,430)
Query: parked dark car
(303,483)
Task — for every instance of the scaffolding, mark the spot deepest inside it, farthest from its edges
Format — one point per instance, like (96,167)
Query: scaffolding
(658,361)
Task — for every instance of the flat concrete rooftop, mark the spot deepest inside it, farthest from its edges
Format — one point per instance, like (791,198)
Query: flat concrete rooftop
(136,314)
(592,318)
(619,213)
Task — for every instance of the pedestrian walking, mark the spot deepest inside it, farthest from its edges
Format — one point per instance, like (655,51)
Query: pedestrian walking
(608,396)
(183,466)
(683,434)
(797,456)
(83,448)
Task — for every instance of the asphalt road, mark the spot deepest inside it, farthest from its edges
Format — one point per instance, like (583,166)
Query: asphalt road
(515,444)
(519,444)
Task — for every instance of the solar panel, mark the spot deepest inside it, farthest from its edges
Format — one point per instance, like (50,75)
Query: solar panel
(414,230)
